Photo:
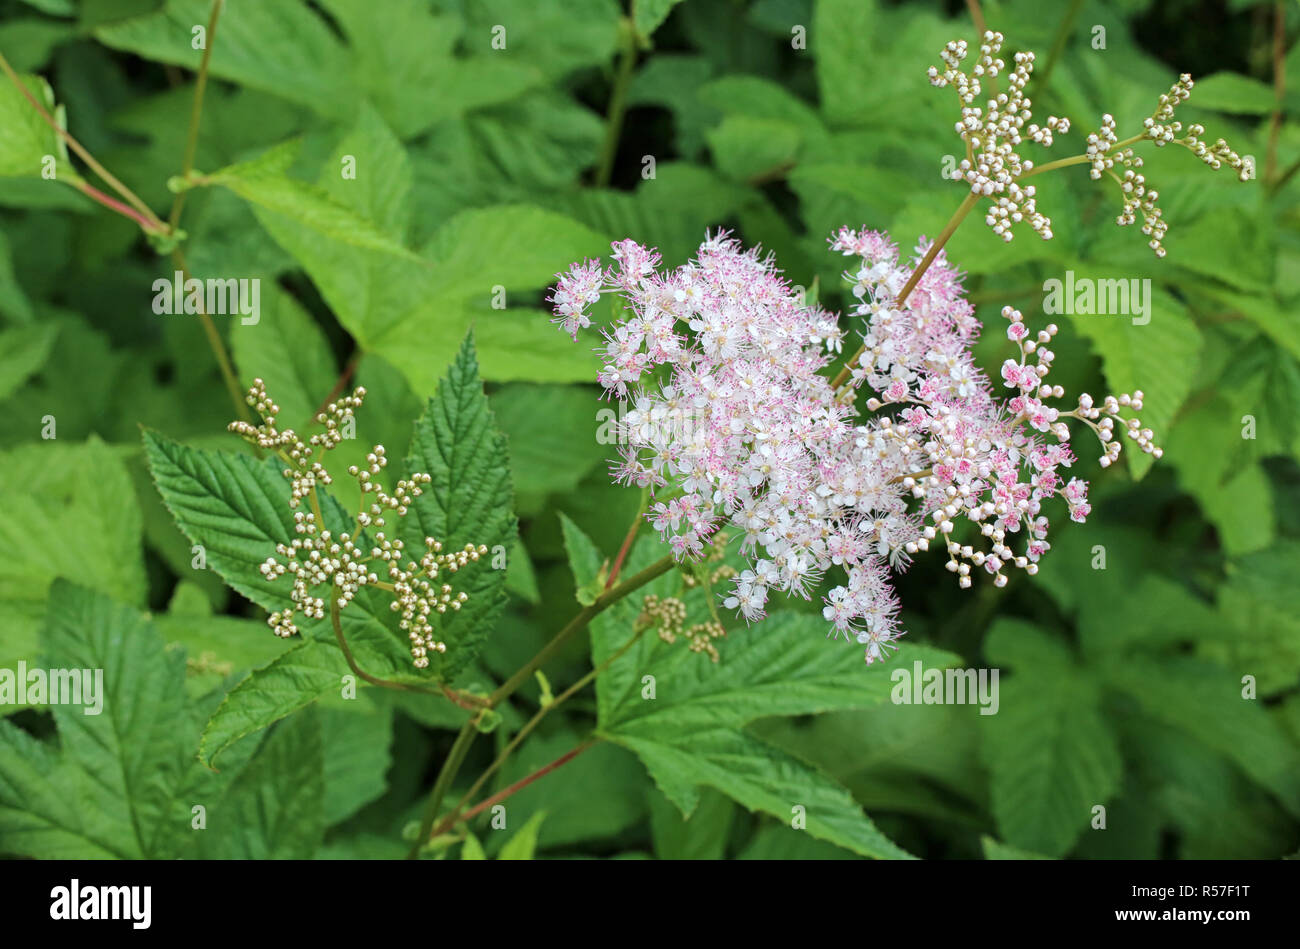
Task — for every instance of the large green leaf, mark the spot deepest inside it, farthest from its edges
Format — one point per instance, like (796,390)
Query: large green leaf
(761,778)
(276,196)
(468,502)
(414,312)
(72,512)
(1257,604)
(841,37)
(274,809)
(746,148)
(1231,92)
(109,788)
(404,61)
(551,458)
(1051,755)
(478,256)
(702,836)
(122,782)
(690,733)
(285,685)
(278,46)
(1207,702)
(359,742)
(23,351)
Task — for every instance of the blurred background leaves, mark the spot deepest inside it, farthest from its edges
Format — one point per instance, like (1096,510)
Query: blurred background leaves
(480,132)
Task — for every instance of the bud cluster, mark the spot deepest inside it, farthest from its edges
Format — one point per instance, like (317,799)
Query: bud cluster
(346,561)
(667,616)
(993,168)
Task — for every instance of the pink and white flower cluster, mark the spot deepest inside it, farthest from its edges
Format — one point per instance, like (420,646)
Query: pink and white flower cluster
(733,423)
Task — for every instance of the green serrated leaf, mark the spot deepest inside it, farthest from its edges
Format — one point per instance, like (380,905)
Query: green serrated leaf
(1051,754)
(1207,702)
(118,782)
(683,715)
(274,810)
(279,197)
(760,778)
(701,837)
(23,351)
(72,512)
(359,743)
(291,682)
(278,46)
(468,502)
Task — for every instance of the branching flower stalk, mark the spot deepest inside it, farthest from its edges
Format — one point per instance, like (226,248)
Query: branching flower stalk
(451,768)
(317,558)
(345,562)
(328,570)
(733,422)
(459,812)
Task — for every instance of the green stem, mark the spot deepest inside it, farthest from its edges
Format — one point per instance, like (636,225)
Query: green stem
(196,111)
(218,347)
(453,818)
(1077,159)
(454,760)
(336,619)
(617,106)
(450,768)
(605,600)
(1058,47)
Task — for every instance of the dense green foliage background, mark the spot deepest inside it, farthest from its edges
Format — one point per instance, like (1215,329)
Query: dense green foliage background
(477,170)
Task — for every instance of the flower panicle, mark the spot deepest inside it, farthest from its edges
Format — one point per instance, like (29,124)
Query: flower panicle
(992,133)
(732,424)
(346,561)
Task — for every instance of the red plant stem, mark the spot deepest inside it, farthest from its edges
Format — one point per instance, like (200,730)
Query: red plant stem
(1279,89)
(623,551)
(341,383)
(113,204)
(513,789)
(155,225)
